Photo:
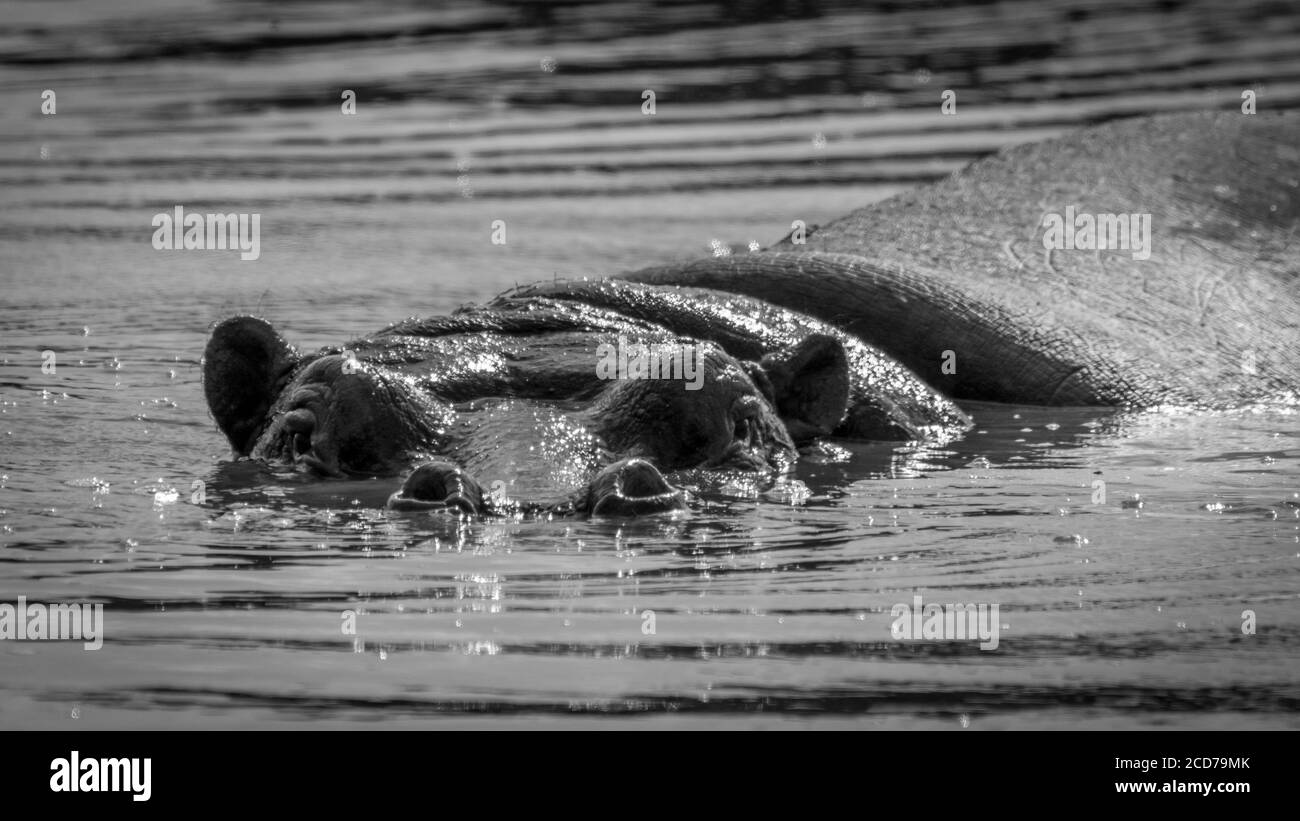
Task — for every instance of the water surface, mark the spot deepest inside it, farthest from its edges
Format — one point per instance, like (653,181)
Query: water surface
(770,609)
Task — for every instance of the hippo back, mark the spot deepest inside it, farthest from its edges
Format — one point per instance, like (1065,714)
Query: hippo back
(960,274)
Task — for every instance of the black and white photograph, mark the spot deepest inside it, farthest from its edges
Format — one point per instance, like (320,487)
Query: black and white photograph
(650,365)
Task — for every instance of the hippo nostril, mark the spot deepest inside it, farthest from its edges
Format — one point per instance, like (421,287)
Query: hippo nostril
(633,487)
(438,485)
(639,478)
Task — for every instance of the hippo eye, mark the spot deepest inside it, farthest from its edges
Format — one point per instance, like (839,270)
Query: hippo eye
(741,433)
(745,413)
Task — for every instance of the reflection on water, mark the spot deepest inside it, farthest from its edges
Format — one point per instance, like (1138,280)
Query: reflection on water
(1121,551)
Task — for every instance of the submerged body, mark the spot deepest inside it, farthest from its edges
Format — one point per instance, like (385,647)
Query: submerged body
(857,333)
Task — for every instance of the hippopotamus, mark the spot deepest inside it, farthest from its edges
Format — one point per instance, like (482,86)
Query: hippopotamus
(543,398)
(607,396)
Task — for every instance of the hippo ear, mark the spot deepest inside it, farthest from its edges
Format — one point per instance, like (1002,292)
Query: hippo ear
(244,366)
(808,384)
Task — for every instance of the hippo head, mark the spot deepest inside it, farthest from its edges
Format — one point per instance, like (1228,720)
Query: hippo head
(734,415)
(742,416)
(335,416)
(329,415)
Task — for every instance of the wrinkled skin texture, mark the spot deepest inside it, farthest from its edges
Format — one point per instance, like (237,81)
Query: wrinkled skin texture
(886,401)
(1211,319)
(847,335)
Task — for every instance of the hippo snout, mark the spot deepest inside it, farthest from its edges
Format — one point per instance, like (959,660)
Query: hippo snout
(438,485)
(633,487)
